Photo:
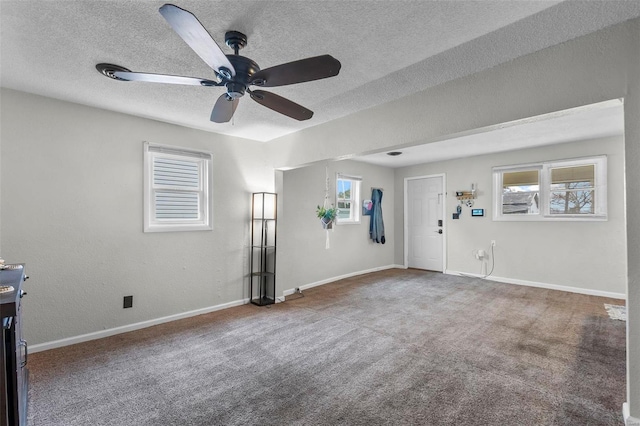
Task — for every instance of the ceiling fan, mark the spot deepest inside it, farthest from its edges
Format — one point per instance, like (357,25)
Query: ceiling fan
(235,72)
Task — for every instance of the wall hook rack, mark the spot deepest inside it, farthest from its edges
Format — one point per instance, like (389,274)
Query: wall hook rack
(467,195)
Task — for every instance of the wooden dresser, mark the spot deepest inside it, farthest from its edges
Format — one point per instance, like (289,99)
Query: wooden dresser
(14,375)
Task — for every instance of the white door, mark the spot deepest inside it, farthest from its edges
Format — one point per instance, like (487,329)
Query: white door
(425,200)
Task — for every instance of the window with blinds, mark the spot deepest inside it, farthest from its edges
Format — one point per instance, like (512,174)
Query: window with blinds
(554,190)
(573,190)
(521,192)
(177,189)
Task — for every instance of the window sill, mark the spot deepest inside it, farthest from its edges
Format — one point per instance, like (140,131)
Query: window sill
(543,218)
(178,228)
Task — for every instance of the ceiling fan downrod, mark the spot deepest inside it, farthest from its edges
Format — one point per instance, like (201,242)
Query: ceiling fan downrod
(235,40)
(244,67)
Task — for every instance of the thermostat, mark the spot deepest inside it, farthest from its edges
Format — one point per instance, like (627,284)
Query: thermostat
(477,212)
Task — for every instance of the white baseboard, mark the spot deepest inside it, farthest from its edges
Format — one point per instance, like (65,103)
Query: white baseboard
(628,420)
(130,327)
(341,277)
(144,324)
(543,285)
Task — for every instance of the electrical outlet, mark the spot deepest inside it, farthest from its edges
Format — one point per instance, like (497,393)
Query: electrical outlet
(493,243)
(128,302)
(297,290)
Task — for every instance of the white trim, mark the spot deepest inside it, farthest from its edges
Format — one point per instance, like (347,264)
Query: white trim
(205,192)
(543,285)
(348,177)
(626,415)
(355,215)
(518,167)
(149,323)
(131,327)
(544,192)
(291,291)
(444,218)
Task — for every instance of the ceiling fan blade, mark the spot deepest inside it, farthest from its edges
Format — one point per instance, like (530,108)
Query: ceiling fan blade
(308,69)
(281,105)
(162,78)
(223,109)
(196,36)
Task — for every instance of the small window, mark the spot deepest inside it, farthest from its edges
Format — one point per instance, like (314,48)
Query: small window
(348,198)
(521,192)
(555,190)
(572,190)
(177,185)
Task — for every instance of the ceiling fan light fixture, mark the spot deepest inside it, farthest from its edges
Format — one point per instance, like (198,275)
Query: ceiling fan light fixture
(235,90)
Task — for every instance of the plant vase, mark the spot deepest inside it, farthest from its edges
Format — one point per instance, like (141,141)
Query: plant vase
(327,216)
(327,223)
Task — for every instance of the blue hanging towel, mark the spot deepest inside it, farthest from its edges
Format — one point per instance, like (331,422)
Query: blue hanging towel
(376,224)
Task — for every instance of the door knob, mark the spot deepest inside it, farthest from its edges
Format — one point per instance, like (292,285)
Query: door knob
(439,231)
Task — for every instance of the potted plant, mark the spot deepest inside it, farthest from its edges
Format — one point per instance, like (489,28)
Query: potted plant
(327,216)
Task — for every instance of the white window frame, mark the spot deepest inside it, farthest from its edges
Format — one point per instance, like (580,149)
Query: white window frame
(354,212)
(544,214)
(204,161)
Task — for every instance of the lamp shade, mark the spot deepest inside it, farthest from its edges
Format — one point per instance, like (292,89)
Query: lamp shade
(264,205)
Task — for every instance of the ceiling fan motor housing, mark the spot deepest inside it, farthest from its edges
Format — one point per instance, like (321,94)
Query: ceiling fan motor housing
(245,68)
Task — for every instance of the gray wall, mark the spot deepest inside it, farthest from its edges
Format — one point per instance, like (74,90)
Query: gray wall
(583,71)
(72,210)
(302,257)
(597,67)
(37,161)
(586,255)
(632,178)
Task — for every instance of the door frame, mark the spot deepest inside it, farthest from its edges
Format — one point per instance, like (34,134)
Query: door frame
(444,218)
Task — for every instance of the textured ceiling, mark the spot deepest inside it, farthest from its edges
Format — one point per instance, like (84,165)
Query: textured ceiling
(388,50)
(595,121)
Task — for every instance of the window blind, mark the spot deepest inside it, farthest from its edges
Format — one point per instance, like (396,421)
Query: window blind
(175,173)
(523,178)
(177,151)
(180,181)
(573,174)
(177,189)
(177,205)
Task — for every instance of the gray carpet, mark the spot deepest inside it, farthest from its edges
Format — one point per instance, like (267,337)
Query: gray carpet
(397,347)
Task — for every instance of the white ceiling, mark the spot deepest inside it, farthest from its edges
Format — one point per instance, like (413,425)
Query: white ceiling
(388,49)
(589,122)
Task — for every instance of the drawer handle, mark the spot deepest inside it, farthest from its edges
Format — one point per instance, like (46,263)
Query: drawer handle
(26,353)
